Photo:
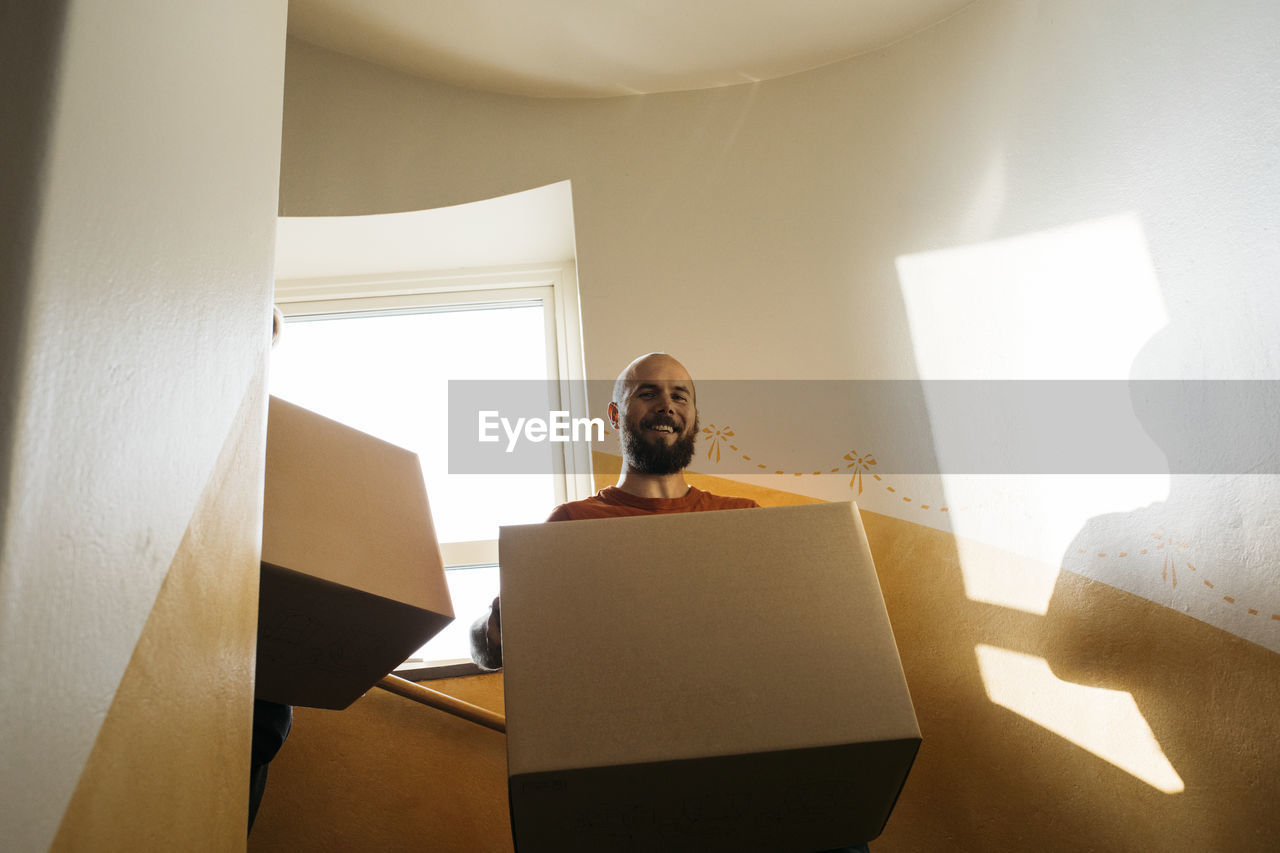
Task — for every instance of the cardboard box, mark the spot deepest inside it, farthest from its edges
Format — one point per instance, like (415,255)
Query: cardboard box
(717,681)
(352,579)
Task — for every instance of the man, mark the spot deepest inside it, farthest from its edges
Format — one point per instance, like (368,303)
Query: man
(654,409)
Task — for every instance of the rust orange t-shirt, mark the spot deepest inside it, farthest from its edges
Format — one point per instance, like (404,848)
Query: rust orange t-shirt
(613,502)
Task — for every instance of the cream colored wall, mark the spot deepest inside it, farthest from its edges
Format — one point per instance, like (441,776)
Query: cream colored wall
(138,300)
(778,230)
(1008,118)
(820,216)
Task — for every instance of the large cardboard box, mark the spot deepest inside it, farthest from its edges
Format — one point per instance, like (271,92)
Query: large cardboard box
(352,579)
(718,681)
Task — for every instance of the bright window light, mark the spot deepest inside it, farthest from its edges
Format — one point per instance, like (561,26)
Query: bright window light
(386,373)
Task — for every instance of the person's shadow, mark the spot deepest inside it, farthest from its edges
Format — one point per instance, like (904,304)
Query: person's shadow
(1208,695)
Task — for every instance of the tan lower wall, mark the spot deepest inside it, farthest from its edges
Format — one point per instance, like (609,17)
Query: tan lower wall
(990,779)
(390,775)
(169,768)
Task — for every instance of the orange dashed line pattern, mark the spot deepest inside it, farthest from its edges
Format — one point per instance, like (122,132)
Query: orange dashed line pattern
(1169,557)
(859,465)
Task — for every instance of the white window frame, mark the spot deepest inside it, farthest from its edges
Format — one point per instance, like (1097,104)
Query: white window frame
(554,285)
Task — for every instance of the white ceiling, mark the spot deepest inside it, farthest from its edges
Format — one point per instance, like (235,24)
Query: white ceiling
(602,48)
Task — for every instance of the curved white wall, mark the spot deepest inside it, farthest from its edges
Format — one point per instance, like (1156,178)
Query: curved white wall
(1107,163)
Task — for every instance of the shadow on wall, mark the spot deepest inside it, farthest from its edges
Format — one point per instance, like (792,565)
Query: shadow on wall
(991,777)
(28,60)
(1080,716)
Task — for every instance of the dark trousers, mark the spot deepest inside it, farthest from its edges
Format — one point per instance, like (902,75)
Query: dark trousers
(271,724)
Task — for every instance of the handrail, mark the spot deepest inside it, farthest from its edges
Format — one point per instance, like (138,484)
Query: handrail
(444,702)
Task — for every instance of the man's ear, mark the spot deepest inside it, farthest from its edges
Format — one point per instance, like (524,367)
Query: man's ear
(613,414)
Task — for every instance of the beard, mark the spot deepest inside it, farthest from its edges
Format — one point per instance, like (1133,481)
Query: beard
(657,458)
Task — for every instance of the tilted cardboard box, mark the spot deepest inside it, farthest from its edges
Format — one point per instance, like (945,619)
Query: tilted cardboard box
(352,579)
(717,681)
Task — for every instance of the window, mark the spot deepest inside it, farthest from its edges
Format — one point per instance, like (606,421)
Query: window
(378,353)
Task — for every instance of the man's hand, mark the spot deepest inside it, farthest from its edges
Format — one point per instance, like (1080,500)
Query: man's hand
(486,638)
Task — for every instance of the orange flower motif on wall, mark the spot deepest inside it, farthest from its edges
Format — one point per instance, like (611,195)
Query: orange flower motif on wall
(717,434)
(1172,553)
(858,464)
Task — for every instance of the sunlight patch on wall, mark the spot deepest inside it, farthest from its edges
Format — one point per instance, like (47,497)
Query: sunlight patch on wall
(1104,722)
(1071,303)
(1076,302)
(992,576)
(1037,517)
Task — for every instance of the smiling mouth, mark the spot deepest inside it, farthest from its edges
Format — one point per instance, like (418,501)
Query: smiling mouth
(662,428)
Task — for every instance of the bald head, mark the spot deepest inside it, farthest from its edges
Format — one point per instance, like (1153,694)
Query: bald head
(652,367)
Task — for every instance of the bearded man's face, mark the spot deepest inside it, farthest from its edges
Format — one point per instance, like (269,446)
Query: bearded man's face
(655,411)
(659,442)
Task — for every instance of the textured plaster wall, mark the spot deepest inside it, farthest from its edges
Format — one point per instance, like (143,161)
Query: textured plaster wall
(137,262)
(1092,190)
